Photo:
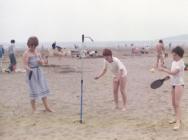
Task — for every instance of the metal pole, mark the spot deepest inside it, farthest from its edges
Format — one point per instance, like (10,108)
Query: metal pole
(81,96)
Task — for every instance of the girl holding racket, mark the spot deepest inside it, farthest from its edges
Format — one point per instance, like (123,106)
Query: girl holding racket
(119,76)
(177,81)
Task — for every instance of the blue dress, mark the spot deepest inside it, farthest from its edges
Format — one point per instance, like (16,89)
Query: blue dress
(37,83)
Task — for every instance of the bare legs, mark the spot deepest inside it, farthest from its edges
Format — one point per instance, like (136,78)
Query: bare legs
(33,106)
(121,83)
(115,91)
(45,103)
(176,99)
(160,60)
(157,63)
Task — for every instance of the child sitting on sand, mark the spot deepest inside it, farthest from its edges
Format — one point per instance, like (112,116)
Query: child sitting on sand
(119,76)
(177,81)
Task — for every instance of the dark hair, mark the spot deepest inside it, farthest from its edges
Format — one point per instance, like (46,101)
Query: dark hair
(54,45)
(32,41)
(179,51)
(160,41)
(107,52)
(12,41)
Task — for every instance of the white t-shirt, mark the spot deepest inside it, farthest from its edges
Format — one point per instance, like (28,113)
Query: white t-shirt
(115,66)
(178,78)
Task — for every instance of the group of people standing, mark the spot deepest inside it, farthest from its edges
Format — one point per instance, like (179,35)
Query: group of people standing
(38,88)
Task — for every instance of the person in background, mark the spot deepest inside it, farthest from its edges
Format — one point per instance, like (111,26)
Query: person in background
(54,45)
(160,54)
(12,57)
(1,57)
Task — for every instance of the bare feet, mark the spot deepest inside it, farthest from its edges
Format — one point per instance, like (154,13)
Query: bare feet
(172,121)
(124,109)
(35,111)
(177,125)
(116,107)
(48,110)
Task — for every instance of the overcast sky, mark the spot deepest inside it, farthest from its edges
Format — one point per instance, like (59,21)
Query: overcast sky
(104,20)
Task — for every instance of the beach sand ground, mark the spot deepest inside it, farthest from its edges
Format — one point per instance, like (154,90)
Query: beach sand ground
(146,118)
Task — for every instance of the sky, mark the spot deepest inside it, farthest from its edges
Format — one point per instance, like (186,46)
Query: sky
(103,20)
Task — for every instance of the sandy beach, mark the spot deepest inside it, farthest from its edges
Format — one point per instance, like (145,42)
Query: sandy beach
(146,118)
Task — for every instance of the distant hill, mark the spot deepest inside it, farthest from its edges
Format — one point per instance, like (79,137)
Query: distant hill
(183,38)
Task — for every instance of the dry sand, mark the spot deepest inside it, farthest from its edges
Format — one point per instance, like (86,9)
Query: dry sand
(146,118)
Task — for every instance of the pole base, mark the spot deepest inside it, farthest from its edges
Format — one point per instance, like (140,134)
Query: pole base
(81,121)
